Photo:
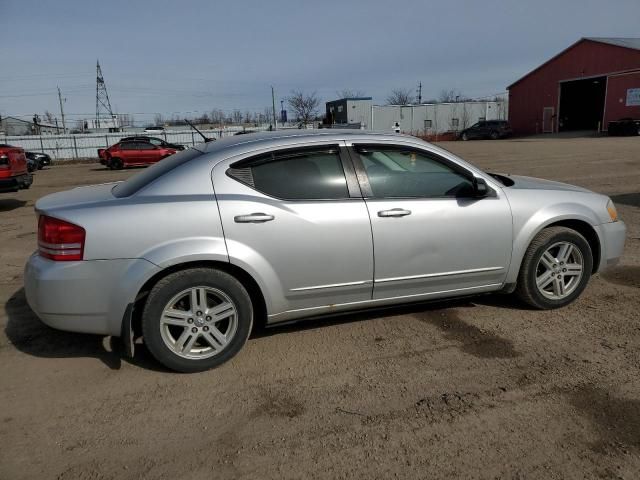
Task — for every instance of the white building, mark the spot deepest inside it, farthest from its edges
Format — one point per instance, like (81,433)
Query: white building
(436,118)
(352,112)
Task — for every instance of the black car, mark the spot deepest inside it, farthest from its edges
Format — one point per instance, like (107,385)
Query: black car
(493,129)
(37,160)
(624,127)
(158,142)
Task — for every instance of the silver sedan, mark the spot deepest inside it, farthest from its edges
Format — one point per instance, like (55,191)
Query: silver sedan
(280,226)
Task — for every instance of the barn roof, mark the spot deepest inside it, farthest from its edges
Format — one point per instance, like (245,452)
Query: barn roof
(629,42)
(633,43)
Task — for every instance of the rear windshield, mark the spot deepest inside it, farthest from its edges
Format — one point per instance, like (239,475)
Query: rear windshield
(136,183)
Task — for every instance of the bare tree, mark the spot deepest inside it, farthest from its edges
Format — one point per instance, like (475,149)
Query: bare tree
(158,119)
(349,93)
(465,116)
(237,116)
(49,118)
(304,106)
(454,120)
(400,96)
(451,95)
(268,115)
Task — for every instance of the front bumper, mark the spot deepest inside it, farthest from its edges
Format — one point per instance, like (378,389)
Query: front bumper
(612,237)
(88,296)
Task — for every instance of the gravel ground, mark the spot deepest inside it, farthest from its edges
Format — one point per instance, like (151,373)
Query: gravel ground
(475,388)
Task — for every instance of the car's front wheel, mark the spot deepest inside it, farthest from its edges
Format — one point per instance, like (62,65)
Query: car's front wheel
(555,269)
(115,163)
(465,137)
(196,319)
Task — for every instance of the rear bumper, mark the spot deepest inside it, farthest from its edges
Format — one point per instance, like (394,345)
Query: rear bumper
(88,296)
(13,184)
(612,237)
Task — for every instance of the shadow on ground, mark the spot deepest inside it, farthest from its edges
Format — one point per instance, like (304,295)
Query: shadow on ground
(29,335)
(441,314)
(8,204)
(632,199)
(627,275)
(616,420)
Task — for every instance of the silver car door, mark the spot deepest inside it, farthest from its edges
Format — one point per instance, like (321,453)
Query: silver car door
(298,224)
(431,236)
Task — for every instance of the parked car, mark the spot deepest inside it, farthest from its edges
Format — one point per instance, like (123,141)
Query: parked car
(40,160)
(154,130)
(493,129)
(14,172)
(129,153)
(624,127)
(32,165)
(279,226)
(154,141)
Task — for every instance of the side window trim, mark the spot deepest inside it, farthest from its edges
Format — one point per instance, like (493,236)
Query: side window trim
(240,170)
(363,178)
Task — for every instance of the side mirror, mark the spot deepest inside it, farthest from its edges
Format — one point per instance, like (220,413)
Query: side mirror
(480,187)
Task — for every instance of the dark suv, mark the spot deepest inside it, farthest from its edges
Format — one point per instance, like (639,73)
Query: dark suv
(493,129)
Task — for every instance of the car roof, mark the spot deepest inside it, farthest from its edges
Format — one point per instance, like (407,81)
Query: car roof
(140,137)
(282,137)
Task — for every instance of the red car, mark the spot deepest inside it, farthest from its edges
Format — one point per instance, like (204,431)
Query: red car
(14,175)
(131,153)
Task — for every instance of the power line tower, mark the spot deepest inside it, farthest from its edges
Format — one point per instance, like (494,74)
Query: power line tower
(419,93)
(103,106)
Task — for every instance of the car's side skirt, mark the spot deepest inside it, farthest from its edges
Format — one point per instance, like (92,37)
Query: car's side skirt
(333,308)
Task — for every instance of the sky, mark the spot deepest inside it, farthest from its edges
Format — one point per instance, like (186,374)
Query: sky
(185,58)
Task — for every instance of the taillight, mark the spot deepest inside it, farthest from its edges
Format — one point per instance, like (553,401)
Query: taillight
(59,240)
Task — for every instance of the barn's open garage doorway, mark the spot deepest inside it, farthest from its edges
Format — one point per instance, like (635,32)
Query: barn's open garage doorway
(582,104)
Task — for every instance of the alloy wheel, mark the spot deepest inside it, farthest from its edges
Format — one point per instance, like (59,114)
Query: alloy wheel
(559,270)
(199,322)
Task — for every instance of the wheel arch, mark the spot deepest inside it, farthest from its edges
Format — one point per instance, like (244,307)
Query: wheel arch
(580,225)
(255,293)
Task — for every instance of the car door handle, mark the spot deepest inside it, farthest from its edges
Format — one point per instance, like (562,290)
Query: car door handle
(253,218)
(394,212)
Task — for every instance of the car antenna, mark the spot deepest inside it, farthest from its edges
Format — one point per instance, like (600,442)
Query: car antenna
(206,139)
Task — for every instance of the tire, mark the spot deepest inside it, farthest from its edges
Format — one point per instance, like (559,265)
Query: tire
(162,340)
(115,164)
(494,136)
(465,137)
(534,269)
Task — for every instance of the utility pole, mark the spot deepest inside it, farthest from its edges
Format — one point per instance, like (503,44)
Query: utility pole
(64,125)
(103,105)
(419,93)
(273,101)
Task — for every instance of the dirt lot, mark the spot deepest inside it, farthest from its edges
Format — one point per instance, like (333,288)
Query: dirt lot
(478,388)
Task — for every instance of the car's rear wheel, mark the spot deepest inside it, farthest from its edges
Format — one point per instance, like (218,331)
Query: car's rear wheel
(556,268)
(196,319)
(115,163)
(495,135)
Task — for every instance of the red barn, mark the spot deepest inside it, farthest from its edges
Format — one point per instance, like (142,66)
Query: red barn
(592,82)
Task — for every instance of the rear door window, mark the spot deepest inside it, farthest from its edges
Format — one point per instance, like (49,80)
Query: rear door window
(296,175)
